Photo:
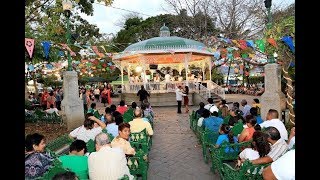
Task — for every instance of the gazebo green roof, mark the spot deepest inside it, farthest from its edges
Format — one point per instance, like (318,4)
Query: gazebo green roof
(163,43)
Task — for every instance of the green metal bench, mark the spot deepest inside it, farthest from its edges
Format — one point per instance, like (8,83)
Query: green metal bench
(141,140)
(208,139)
(138,164)
(245,172)
(127,116)
(219,155)
(54,169)
(60,145)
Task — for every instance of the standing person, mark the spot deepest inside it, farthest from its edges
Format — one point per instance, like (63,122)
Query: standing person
(84,101)
(58,99)
(104,97)
(51,100)
(96,93)
(179,95)
(186,98)
(143,94)
(107,163)
(44,97)
(109,92)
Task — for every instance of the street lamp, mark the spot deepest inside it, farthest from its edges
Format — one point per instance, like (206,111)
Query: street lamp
(67,6)
(267,4)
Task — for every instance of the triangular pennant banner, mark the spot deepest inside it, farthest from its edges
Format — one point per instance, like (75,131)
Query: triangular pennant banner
(272,42)
(260,44)
(289,42)
(64,46)
(243,44)
(95,49)
(46,48)
(29,43)
(250,43)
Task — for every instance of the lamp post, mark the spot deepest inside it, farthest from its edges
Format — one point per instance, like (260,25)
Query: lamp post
(67,6)
(267,4)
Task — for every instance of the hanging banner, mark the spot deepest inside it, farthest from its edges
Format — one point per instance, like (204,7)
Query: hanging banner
(260,44)
(289,42)
(64,46)
(250,43)
(46,48)
(29,44)
(95,49)
(272,42)
(243,44)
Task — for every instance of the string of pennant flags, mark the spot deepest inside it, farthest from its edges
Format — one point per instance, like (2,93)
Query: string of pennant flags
(221,55)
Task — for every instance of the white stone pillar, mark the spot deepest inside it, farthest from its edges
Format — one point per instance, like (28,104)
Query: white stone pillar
(121,69)
(72,105)
(210,68)
(272,98)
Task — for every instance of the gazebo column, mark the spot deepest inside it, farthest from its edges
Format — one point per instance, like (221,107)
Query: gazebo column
(144,72)
(121,69)
(203,70)
(210,68)
(186,66)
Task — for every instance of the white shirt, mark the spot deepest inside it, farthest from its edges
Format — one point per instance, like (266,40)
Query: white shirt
(52,110)
(179,94)
(200,121)
(113,129)
(292,142)
(96,92)
(284,167)
(167,77)
(108,164)
(83,134)
(209,106)
(277,124)
(250,154)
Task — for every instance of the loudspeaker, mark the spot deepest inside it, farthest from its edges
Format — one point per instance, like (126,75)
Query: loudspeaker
(153,66)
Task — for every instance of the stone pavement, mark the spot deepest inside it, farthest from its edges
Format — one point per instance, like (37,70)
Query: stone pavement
(175,152)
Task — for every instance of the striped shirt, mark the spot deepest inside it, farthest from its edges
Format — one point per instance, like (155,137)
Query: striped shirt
(278,149)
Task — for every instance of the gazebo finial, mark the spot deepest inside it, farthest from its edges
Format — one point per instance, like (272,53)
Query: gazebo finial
(164,31)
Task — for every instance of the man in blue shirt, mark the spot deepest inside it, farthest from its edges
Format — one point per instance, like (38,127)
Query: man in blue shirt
(212,122)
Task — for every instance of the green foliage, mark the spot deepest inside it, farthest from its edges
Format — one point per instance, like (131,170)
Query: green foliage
(256,79)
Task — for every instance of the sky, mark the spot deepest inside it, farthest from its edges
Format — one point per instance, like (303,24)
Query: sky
(107,18)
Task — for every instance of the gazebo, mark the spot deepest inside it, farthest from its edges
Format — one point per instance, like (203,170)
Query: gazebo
(152,54)
(175,52)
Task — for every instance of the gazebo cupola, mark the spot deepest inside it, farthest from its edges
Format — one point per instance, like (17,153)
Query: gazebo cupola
(164,31)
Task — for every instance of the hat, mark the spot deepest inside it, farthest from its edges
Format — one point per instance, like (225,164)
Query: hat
(213,108)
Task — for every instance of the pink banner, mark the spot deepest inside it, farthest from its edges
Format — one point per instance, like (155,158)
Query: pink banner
(67,48)
(29,43)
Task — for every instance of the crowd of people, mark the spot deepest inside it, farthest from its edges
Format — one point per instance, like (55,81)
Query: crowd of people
(269,136)
(110,159)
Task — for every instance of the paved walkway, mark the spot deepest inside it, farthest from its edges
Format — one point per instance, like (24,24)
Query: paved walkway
(175,152)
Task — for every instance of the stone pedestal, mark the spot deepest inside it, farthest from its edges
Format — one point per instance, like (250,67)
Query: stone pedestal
(71,104)
(272,98)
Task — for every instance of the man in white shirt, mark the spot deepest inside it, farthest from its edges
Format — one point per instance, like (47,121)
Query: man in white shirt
(138,124)
(179,95)
(272,120)
(211,106)
(107,163)
(283,168)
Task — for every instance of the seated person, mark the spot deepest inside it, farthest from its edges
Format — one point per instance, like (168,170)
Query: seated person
(113,108)
(213,122)
(118,118)
(76,160)
(112,127)
(254,112)
(278,146)
(256,104)
(292,139)
(273,120)
(90,128)
(122,107)
(93,110)
(282,168)
(235,116)
(148,115)
(52,110)
(37,162)
(211,105)
(201,109)
(226,135)
(252,126)
(223,111)
(131,109)
(121,140)
(260,147)
(138,124)
(107,163)
(148,112)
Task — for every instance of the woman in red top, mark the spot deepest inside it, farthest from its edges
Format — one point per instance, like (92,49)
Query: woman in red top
(109,91)
(252,126)
(104,96)
(122,108)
